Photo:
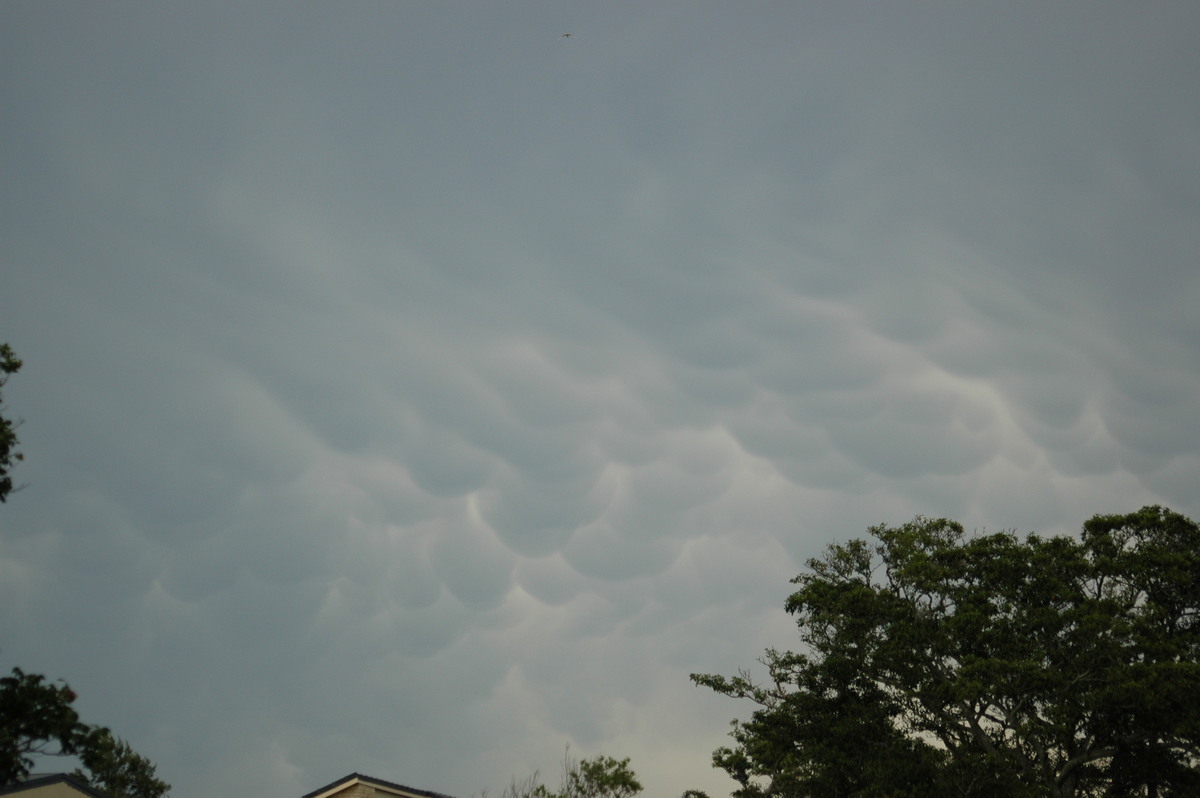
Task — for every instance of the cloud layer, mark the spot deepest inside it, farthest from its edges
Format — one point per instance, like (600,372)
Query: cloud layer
(410,390)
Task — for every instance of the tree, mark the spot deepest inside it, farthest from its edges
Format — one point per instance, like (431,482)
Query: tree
(116,769)
(941,664)
(9,364)
(599,777)
(37,719)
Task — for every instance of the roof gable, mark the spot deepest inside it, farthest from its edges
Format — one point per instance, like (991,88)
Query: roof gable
(55,783)
(387,787)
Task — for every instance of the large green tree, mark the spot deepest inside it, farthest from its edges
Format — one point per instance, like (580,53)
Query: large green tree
(37,719)
(9,364)
(937,663)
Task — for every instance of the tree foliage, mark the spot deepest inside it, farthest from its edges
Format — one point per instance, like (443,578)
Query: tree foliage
(37,719)
(940,664)
(9,364)
(110,765)
(598,777)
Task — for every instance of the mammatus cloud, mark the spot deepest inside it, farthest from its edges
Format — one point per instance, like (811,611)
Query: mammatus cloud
(411,391)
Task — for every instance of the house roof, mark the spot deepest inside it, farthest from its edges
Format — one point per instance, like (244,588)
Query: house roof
(380,784)
(46,781)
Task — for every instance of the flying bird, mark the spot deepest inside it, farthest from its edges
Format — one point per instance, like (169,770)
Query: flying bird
(566,35)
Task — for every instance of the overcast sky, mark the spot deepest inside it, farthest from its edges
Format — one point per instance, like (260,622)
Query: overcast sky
(412,390)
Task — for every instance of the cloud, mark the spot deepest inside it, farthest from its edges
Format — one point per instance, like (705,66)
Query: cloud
(409,393)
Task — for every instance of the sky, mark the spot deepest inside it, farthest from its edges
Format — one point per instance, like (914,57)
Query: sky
(412,390)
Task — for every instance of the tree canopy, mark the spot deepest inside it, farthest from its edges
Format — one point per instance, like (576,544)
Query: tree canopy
(597,777)
(937,663)
(9,364)
(37,719)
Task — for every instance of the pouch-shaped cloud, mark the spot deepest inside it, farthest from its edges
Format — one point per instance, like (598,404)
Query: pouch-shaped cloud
(405,394)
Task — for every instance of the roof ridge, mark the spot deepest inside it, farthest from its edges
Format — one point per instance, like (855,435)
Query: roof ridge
(52,778)
(378,782)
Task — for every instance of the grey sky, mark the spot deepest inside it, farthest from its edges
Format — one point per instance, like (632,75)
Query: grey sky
(411,390)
